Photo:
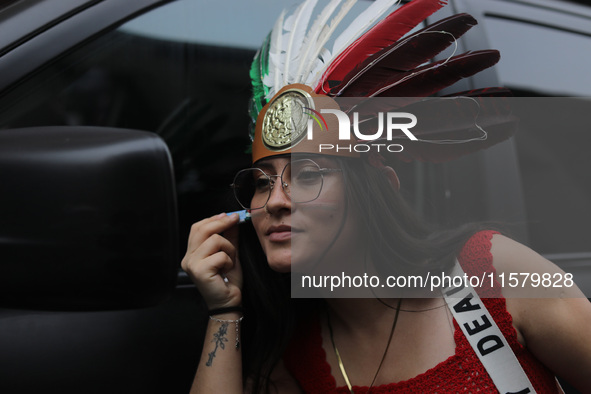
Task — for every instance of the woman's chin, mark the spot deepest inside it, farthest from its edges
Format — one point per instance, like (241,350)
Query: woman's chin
(290,263)
(280,264)
(304,264)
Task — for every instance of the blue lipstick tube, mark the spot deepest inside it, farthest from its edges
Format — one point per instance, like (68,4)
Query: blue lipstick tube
(244,215)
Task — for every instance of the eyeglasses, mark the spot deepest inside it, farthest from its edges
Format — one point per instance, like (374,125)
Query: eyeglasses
(301,180)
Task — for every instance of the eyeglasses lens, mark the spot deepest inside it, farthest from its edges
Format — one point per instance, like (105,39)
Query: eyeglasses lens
(251,188)
(306,181)
(301,181)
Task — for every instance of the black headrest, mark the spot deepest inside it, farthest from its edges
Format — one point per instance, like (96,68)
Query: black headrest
(88,218)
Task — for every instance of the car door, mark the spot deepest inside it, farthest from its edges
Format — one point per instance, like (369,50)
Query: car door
(89,111)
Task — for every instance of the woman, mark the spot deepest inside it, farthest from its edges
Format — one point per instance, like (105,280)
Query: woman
(309,213)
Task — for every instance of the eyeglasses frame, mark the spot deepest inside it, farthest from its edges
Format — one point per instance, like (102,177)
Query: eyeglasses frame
(283,183)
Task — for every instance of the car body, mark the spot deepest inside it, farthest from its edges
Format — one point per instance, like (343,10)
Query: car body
(91,68)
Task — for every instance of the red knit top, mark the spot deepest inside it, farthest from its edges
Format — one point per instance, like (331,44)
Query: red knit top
(305,358)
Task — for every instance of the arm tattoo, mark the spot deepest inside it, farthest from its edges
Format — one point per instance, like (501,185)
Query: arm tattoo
(219,338)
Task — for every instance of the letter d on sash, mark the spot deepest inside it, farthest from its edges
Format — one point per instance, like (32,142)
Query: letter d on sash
(484,346)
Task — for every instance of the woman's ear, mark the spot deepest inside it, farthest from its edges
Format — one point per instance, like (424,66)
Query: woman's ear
(392,177)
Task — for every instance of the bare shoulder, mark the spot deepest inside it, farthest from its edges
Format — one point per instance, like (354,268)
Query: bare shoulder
(512,256)
(526,274)
(553,318)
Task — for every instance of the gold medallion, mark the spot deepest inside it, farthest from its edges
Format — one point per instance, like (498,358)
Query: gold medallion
(286,120)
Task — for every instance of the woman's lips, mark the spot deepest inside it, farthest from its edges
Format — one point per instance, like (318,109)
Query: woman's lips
(279,233)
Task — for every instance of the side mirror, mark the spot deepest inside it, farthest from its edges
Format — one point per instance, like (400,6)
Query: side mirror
(88,218)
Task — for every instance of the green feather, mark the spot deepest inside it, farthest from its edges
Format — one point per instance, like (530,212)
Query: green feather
(258,91)
(258,69)
(264,66)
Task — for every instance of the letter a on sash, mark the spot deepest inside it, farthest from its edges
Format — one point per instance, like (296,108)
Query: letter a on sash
(464,305)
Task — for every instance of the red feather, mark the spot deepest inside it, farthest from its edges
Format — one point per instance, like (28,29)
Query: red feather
(404,55)
(423,82)
(429,79)
(386,32)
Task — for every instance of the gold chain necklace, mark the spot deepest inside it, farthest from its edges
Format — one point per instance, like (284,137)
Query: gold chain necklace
(340,360)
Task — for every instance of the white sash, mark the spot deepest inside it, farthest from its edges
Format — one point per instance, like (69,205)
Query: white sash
(485,337)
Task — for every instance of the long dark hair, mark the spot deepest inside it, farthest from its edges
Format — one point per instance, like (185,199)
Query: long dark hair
(398,236)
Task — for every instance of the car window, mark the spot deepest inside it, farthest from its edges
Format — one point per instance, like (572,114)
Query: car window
(194,96)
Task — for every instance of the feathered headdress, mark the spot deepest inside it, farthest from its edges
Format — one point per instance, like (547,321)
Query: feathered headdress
(375,56)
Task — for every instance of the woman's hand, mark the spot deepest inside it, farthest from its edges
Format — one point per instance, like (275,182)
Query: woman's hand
(212,256)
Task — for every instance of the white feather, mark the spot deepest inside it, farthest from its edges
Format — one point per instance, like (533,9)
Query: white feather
(297,56)
(324,57)
(312,73)
(311,43)
(296,26)
(363,22)
(272,80)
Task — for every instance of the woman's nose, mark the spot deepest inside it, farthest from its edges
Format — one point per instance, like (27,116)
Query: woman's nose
(278,199)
